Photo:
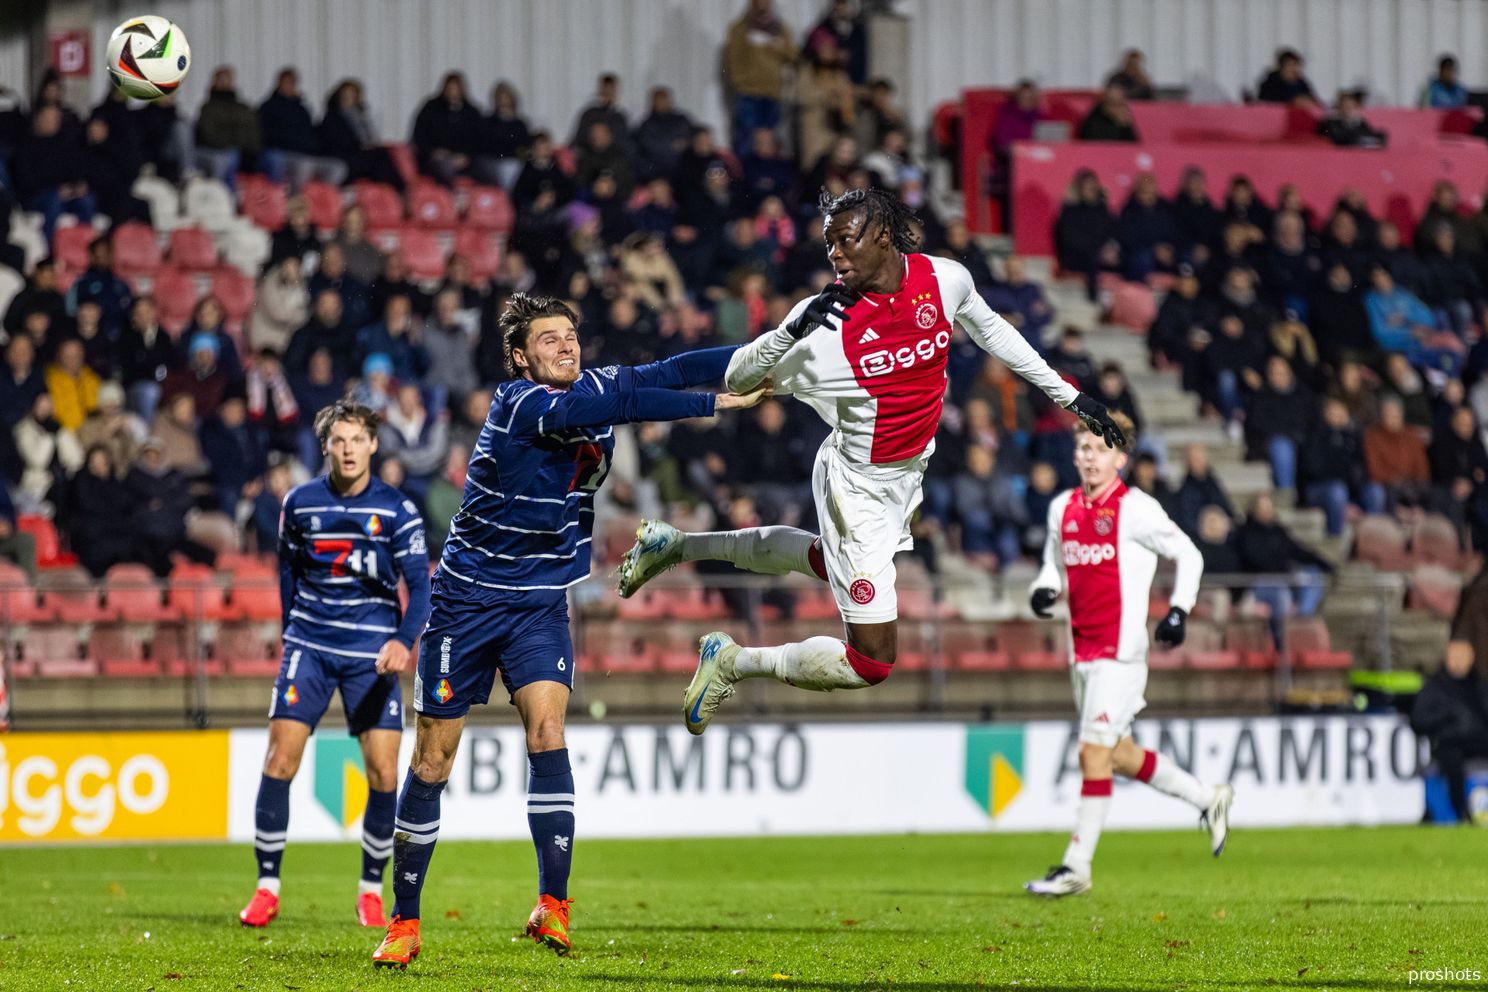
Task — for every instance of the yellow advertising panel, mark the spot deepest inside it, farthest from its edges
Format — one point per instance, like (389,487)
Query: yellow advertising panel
(124,786)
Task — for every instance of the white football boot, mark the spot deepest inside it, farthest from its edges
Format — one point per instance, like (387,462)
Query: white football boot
(1061,881)
(712,683)
(1217,817)
(657,548)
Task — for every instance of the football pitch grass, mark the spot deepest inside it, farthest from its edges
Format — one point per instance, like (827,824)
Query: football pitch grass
(1282,909)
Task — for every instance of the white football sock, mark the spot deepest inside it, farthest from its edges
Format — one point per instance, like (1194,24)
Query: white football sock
(818,663)
(1169,777)
(272,884)
(1089,819)
(764,550)
(364,886)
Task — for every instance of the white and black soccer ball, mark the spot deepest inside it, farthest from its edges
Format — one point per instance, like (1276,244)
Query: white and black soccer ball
(148,57)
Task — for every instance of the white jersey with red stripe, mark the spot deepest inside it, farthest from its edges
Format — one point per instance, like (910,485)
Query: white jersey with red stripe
(1102,551)
(879,379)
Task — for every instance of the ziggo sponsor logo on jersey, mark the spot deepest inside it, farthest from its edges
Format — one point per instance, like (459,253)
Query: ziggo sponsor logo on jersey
(1076,553)
(883,362)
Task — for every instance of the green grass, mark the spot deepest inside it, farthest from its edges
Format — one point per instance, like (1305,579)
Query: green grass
(1284,909)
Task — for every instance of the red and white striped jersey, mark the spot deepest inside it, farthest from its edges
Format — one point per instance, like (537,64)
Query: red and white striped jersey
(881,382)
(1103,553)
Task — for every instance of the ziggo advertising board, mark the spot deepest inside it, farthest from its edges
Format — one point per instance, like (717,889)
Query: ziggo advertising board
(657,781)
(102,787)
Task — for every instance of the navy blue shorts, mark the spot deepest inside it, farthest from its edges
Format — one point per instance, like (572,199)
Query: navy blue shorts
(468,640)
(308,677)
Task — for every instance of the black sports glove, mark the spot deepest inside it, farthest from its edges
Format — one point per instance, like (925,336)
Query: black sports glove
(1171,631)
(1042,602)
(830,302)
(1098,419)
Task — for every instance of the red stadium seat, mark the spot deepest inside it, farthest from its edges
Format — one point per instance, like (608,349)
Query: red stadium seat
(1380,541)
(648,604)
(1309,646)
(1030,646)
(325,204)
(136,249)
(404,161)
(49,553)
(490,209)
(236,292)
(482,250)
(381,202)
(431,207)
(122,651)
(176,297)
(978,660)
(71,594)
(56,651)
(265,203)
(1133,306)
(1251,641)
(20,603)
(1436,589)
(256,601)
(676,660)
(132,595)
(195,594)
(70,246)
(248,650)
(192,249)
(424,253)
(1436,542)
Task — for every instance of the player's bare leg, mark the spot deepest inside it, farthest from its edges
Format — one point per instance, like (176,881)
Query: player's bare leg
(763,550)
(380,758)
(1167,776)
(818,663)
(416,829)
(271,817)
(550,808)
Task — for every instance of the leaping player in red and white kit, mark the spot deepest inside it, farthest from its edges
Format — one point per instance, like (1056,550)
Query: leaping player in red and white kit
(1102,549)
(869,355)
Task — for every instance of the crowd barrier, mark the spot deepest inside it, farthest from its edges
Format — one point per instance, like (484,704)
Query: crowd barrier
(738,779)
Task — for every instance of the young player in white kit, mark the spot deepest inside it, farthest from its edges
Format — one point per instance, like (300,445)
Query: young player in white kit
(869,355)
(1101,551)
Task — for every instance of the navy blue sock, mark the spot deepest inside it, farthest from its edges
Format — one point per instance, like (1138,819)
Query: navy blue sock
(550,815)
(377,833)
(416,828)
(270,825)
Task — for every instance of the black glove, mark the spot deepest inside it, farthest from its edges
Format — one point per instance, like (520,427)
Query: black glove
(1098,419)
(1042,601)
(1170,631)
(831,302)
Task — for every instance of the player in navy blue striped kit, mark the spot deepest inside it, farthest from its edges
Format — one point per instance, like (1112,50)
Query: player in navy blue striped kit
(520,539)
(345,538)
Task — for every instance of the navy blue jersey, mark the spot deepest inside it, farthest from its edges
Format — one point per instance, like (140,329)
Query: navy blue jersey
(528,514)
(340,558)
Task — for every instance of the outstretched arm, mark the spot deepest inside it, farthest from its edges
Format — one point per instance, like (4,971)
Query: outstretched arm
(752,364)
(996,336)
(694,368)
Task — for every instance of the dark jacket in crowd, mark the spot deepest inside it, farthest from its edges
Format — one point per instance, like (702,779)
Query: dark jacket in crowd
(284,124)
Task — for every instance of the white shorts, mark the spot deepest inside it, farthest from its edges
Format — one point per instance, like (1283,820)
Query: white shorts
(1108,695)
(864,513)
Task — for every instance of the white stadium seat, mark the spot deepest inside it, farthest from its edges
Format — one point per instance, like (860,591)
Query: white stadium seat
(164,201)
(25,230)
(11,283)
(209,204)
(245,247)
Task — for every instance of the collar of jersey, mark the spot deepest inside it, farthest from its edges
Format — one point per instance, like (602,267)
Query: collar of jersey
(880,299)
(1100,499)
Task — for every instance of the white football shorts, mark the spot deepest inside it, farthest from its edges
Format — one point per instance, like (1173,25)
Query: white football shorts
(864,513)
(1108,695)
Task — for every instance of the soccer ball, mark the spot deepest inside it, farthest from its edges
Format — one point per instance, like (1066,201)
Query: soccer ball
(148,57)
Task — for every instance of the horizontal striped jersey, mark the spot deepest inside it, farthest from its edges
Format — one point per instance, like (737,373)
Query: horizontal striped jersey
(528,513)
(340,560)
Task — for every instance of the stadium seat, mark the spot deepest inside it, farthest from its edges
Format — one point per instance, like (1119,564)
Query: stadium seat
(198,596)
(490,209)
(482,250)
(235,291)
(49,553)
(1380,541)
(164,201)
(677,660)
(816,603)
(1309,646)
(979,660)
(423,252)
(25,233)
(70,246)
(265,203)
(246,248)
(208,203)
(176,296)
(56,651)
(11,284)
(20,603)
(71,595)
(1030,646)
(173,647)
(404,161)
(122,651)
(430,206)
(693,603)
(192,249)
(1436,589)
(1250,640)
(248,650)
(325,205)
(255,601)
(131,594)
(136,249)
(1436,542)
(381,202)
(648,604)
(1133,306)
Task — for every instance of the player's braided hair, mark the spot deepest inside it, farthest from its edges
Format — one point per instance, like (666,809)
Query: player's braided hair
(516,321)
(881,208)
(349,411)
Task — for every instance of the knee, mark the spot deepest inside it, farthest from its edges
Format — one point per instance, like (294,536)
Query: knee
(545,735)
(281,764)
(384,777)
(1096,760)
(431,767)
